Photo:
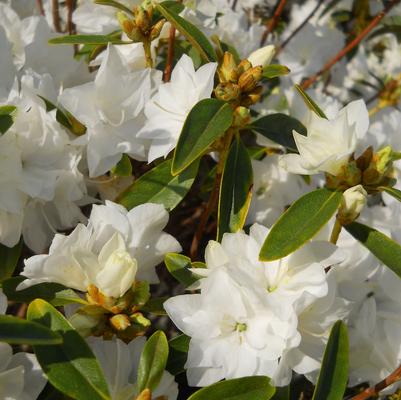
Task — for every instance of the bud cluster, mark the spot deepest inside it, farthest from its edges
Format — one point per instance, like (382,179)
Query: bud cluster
(142,27)
(372,170)
(106,316)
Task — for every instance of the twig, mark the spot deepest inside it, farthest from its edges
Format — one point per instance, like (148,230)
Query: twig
(351,45)
(295,32)
(273,21)
(56,16)
(170,55)
(39,4)
(70,9)
(335,233)
(374,390)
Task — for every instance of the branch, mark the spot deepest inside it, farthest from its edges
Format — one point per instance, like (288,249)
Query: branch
(39,4)
(56,16)
(70,7)
(273,21)
(374,390)
(170,55)
(350,46)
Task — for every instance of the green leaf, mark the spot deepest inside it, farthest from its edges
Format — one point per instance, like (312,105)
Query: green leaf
(172,5)
(155,306)
(159,186)
(56,294)
(392,192)
(385,249)
(249,388)
(152,362)
(86,39)
(191,33)
(123,167)
(15,330)
(6,117)
(178,354)
(282,393)
(206,122)
(310,103)
(333,375)
(178,266)
(9,257)
(300,223)
(235,190)
(115,4)
(71,366)
(274,70)
(278,128)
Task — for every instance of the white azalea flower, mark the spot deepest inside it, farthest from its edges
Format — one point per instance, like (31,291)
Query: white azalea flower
(262,56)
(110,108)
(329,142)
(3,302)
(167,110)
(108,252)
(7,67)
(120,362)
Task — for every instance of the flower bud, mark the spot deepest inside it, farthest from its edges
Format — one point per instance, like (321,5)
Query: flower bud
(138,319)
(120,322)
(227,91)
(253,97)
(380,166)
(262,56)
(242,116)
(142,19)
(244,66)
(156,29)
(228,70)
(250,79)
(354,199)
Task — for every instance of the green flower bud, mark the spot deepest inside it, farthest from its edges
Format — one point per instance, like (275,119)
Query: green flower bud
(227,91)
(250,79)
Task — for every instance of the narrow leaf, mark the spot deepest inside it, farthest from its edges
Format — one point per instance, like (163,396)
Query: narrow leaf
(300,223)
(87,39)
(159,186)
(6,117)
(333,375)
(178,266)
(152,362)
(9,257)
(235,190)
(123,167)
(206,122)
(392,192)
(15,330)
(115,4)
(191,33)
(274,70)
(385,249)
(71,366)
(249,388)
(310,103)
(278,128)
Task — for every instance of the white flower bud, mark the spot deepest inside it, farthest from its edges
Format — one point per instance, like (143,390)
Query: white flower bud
(262,56)
(354,199)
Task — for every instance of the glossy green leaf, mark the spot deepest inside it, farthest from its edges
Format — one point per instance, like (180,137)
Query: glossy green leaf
(172,5)
(385,249)
(300,223)
(333,375)
(274,70)
(206,122)
(54,293)
(392,192)
(86,39)
(155,306)
(235,190)
(159,186)
(9,257)
(123,167)
(282,393)
(114,4)
(6,117)
(71,366)
(153,361)
(178,354)
(249,388)
(278,128)
(310,102)
(15,330)
(178,265)
(191,33)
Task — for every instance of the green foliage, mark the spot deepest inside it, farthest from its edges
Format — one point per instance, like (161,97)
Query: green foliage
(249,388)
(9,257)
(152,362)
(6,117)
(87,39)
(310,102)
(115,4)
(71,366)
(191,33)
(392,192)
(178,265)
(123,167)
(274,70)
(159,186)
(178,354)
(206,122)
(235,190)
(385,249)
(333,375)
(278,128)
(300,223)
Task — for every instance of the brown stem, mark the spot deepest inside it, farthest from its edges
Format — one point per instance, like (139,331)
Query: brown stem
(374,390)
(295,32)
(70,9)
(273,21)
(170,55)
(351,45)
(39,4)
(56,16)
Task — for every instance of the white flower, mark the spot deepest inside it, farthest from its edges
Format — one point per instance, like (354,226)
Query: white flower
(7,67)
(120,361)
(167,110)
(329,142)
(110,108)
(353,201)
(108,252)
(3,302)
(262,56)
